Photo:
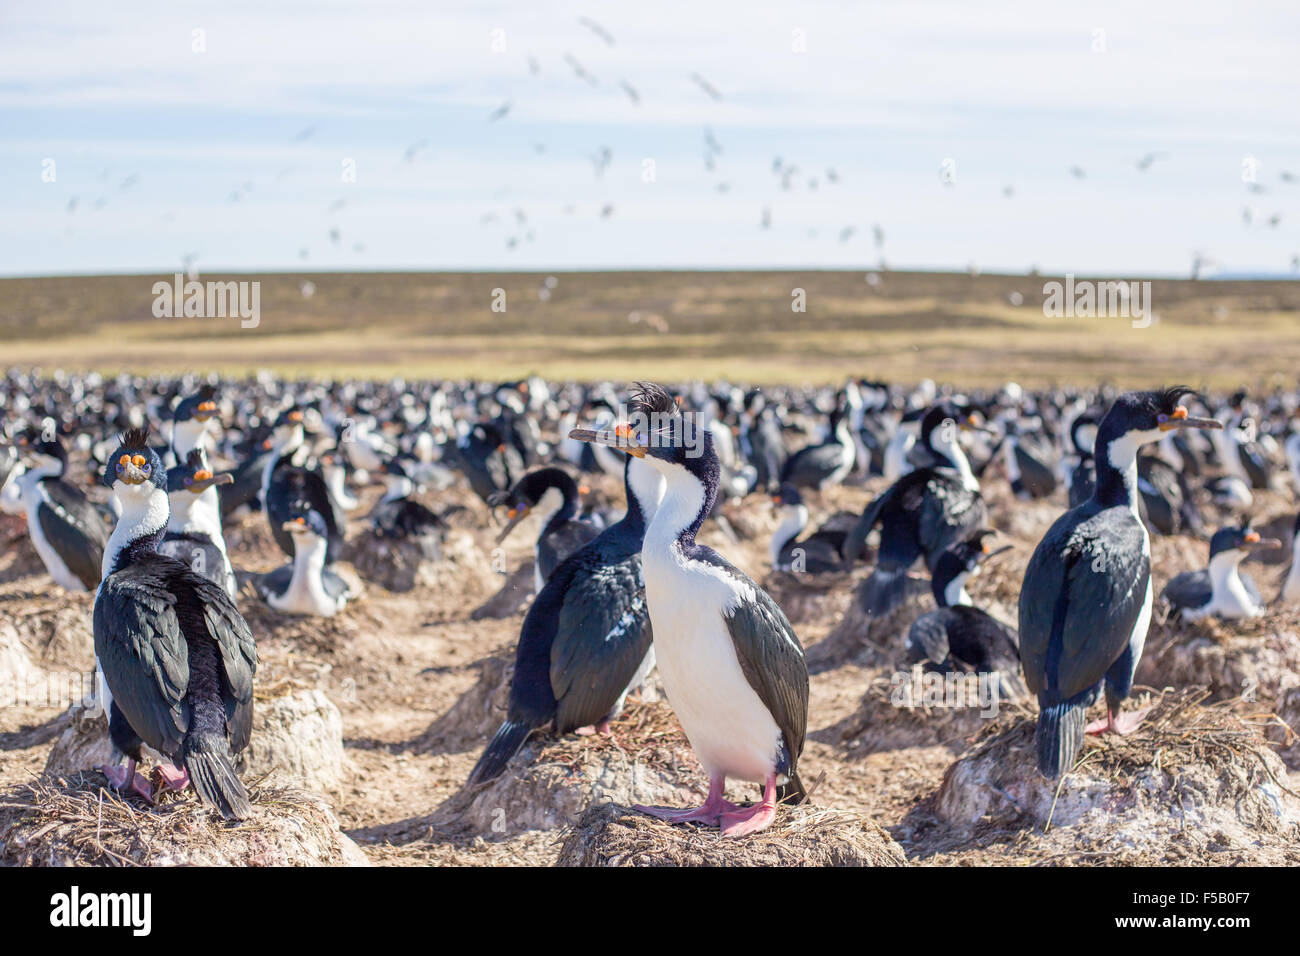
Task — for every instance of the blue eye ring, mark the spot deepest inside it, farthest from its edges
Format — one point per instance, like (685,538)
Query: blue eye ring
(119,468)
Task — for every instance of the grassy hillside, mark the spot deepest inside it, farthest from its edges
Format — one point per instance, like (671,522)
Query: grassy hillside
(671,325)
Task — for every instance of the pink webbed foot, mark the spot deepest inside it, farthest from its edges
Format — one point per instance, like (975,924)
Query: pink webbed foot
(714,807)
(601,728)
(752,819)
(127,780)
(1118,723)
(173,778)
(747,821)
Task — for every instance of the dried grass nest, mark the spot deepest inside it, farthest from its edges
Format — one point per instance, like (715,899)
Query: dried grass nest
(613,835)
(78,821)
(1196,783)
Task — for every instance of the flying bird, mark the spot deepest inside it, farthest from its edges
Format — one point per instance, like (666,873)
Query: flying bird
(500,112)
(597,29)
(1145,162)
(710,90)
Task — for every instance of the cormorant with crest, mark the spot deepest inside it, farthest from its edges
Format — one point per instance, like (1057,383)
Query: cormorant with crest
(732,667)
(1085,603)
(586,640)
(177,658)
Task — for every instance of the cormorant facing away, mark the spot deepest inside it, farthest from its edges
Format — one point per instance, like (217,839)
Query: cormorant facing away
(176,656)
(1085,603)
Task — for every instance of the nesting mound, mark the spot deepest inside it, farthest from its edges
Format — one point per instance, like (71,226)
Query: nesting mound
(82,745)
(297,742)
(85,824)
(1195,783)
(1256,660)
(552,781)
(613,835)
(56,628)
(16,669)
(477,713)
(809,597)
(863,639)
(397,564)
(910,708)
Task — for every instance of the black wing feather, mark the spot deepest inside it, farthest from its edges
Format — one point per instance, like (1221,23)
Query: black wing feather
(1080,600)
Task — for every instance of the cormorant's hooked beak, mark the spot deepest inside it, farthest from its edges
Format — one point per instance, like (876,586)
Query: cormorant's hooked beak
(513,517)
(989,555)
(1180,419)
(971,424)
(296,526)
(620,436)
(203,480)
(1256,543)
(132,470)
(205,411)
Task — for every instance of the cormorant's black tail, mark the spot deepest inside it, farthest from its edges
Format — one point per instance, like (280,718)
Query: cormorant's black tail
(883,590)
(856,540)
(207,760)
(792,791)
(510,736)
(1060,735)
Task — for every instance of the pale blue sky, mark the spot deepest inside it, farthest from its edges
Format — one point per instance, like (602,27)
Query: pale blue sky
(153,141)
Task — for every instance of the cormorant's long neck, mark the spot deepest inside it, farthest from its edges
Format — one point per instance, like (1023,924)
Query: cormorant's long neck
(950,589)
(644,488)
(567,492)
(1224,572)
(685,505)
(794,520)
(949,450)
(140,529)
(1117,472)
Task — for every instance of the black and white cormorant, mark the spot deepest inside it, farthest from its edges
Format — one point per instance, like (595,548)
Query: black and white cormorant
(306,585)
(819,552)
(68,531)
(290,486)
(731,665)
(1220,590)
(176,657)
(193,421)
(959,636)
(921,514)
(553,494)
(1085,603)
(194,526)
(586,640)
(824,465)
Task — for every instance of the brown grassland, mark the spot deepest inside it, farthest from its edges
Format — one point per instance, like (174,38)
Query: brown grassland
(670,326)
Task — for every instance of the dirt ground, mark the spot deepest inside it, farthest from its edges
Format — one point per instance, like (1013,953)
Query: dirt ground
(417,677)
